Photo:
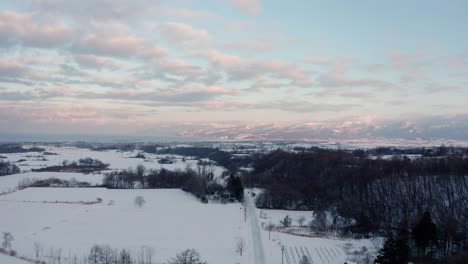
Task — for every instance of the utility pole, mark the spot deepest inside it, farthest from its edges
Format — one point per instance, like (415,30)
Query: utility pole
(282,253)
(245,211)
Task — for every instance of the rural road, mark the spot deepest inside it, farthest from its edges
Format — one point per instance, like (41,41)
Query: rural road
(258,254)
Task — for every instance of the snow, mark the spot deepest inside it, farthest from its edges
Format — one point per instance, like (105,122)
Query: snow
(257,243)
(4,259)
(118,160)
(55,194)
(320,249)
(170,221)
(10,182)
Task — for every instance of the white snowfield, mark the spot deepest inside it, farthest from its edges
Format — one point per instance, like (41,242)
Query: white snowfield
(117,159)
(316,248)
(10,182)
(169,221)
(60,220)
(5,259)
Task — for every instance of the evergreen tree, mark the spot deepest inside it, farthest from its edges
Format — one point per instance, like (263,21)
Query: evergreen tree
(387,254)
(402,243)
(425,233)
(235,187)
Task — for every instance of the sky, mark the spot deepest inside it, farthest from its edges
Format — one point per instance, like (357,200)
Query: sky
(235,69)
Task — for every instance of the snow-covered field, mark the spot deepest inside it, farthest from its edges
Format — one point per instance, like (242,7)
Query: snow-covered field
(10,182)
(169,222)
(324,250)
(4,259)
(116,159)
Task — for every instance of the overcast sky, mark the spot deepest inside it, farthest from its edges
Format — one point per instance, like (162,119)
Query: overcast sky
(235,68)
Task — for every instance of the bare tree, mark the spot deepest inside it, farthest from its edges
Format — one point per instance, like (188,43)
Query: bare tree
(37,249)
(304,260)
(286,221)
(188,256)
(320,221)
(7,239)
(240,246)
(300,220)
(125,257)
(139,201)
(270,228)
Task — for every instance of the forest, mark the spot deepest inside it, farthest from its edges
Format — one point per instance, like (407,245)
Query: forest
(200,182)
(7,168)
(374,195)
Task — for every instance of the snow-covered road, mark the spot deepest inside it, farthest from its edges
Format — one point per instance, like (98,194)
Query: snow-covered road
(258,254)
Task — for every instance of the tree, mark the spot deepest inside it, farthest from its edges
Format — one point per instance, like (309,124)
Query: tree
(139,201)
(425,233)
(240,246)
(300,220)
(7,239)
(37,249)
(304,260)
(188,256)
(402,242)
(140,173)
(124,257)
(286,222)
(95,255)
(387,254)
(270,228)
(235,187)
(320,220)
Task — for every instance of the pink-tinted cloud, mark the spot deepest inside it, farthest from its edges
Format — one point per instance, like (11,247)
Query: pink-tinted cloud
(252,7)
(318,61)
(239,69)
(93,61)
(251,46)
(20,28)
(337,78)
(118,46)
(187,13)
(184,34)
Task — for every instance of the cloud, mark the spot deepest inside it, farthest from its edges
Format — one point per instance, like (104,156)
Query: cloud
(184,34)
(337,78)
(10,68)
(187,13)
(252,7)
(93,61)
(97,10)
(239,69)
(20,28)
(318,61)
(122,45)
(252,46)
(186,96)
(296,106)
